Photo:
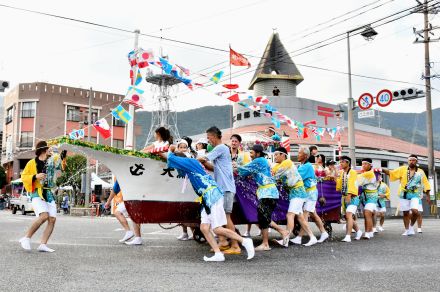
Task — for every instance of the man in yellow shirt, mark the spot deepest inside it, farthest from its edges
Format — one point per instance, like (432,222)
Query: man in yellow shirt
(413,183)
(346,183)
(384,195)
(367,180)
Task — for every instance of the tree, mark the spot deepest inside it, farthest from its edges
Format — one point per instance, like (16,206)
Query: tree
(71,176)
(2,177)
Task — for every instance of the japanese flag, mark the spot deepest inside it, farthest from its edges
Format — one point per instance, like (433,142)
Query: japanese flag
(143,57)
(134,97)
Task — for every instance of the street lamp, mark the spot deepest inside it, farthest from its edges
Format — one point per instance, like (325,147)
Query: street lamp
(368,33)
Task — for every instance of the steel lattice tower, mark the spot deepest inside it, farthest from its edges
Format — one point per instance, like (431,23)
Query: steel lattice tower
(163,115)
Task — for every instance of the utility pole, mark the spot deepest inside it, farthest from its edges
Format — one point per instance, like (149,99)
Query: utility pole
(89,123)
(427,76)
(130,126)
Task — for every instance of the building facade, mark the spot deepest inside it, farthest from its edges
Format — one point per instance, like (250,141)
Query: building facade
(40,111)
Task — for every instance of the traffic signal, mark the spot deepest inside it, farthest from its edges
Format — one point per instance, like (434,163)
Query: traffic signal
(405,94)
(3,85)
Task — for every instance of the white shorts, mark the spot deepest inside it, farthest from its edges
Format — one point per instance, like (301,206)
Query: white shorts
(420,207)
(351,209)
(296,206)
(370,207)
(41,206)
(217,217)
(310,206)
(381,210)
(406,205)
(121,208)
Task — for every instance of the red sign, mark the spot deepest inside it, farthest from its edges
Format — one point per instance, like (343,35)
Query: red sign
(326,112)
(365,101)
(384,97)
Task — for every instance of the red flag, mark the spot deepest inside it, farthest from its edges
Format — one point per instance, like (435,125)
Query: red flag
(230,86)
(103,128)
(237,59)
(234,98)
(285,142)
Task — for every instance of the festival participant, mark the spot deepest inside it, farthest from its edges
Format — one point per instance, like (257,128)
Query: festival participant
(183,147)
(213,214)
(320,166)
(384,194)
(413,183)
(347,185)
(419,217)
(273,134)
(313,153)
(38,179)
(202,147)
(286,171)
(267,192)
(331,173)
(308,176)
(219,160)
(163,139)
(367,180)
(121,214)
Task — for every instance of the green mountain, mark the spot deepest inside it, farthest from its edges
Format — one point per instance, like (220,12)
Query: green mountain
(405,126)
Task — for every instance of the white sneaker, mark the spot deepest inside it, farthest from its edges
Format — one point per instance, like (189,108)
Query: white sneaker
(135,241)
(269,230)
(248,244)
(405,233)
(366,235)
(311,242)
(44,248)
(128,234)
(380,228)
(347,238)
(246,234)
(217,257)
(259,232)
(323,237)
(371,234)
(375,230)
(283,242)
(358,234)
(296,240)
(183,237)
(25,243)
(411,231)
(419,230)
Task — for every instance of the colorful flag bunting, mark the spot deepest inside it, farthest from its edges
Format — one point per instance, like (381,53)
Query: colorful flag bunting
(184,70)
(261,99)
(134,97)
(132,58)
(276,122)
(230,86)
(77,134)
(234,98)
(166,66)
(217,76)
(121,114)
(144,57)
(237,59)
(103,128)
(285,142)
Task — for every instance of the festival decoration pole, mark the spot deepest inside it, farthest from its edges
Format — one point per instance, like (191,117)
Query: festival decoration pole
(130,126)
(89,129)
(230,90)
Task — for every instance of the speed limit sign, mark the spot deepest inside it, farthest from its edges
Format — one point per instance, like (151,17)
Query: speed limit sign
(384,97)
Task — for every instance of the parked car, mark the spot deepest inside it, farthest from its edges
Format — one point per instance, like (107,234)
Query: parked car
(20,199)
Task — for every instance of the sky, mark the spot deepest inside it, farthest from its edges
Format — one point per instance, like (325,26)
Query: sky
(41,48)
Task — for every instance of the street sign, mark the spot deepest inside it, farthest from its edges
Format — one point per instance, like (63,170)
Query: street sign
(384,97)
(365,101)
(366,114)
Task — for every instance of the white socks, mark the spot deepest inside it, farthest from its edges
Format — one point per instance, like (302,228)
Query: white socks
(44,248)
(217,257)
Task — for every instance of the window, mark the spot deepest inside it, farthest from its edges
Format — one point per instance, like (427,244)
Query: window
(118,143)
(358,161)
(93,118)
(93,139)
(238,117)
(256,114)
(118,123)
(247,115)
(26,139)
(28,109)
(9,113)
(72,113)
(384,163)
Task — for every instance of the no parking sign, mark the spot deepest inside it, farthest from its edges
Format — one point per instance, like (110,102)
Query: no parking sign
(384,97)
(365,101)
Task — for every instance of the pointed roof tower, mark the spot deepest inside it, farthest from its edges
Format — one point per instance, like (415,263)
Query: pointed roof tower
(276,64)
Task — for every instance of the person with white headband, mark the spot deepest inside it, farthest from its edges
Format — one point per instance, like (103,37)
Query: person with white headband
(413,183)
(367,180)
(285,171)
(384,194)
(346,183)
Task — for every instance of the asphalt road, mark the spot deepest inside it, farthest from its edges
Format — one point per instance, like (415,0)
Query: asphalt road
(88,257)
